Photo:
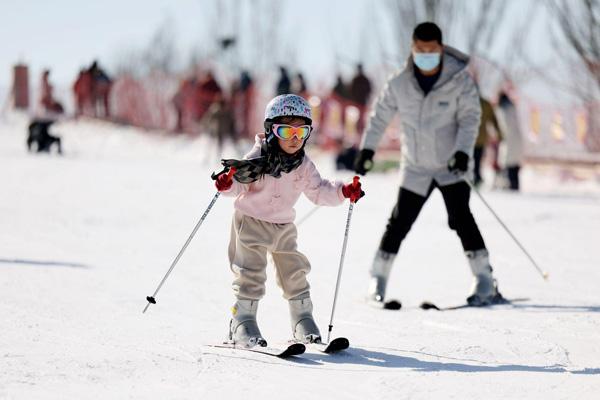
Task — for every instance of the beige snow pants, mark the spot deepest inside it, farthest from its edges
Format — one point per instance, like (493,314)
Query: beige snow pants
(251,239)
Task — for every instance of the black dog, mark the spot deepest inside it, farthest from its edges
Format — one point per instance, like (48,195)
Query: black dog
(40,139)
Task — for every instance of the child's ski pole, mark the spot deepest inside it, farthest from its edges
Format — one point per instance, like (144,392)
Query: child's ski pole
(339,274)
(151,299)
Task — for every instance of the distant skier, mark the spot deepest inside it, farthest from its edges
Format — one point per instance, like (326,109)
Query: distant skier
(40,139)
(219,121)
(267,183)
(439,108)
(101,87)
(284,84)
(47,101)
(360,92)
(512,149)
(488,119)
(299,86)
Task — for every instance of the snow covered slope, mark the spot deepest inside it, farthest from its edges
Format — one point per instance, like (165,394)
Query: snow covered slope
(86,237)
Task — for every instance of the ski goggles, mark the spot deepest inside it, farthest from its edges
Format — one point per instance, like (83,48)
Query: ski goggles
(286,132)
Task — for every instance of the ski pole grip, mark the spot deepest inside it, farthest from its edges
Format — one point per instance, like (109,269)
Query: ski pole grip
(355,180)
(231,172)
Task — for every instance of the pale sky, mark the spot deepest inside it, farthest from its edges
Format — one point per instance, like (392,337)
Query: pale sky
(65,35)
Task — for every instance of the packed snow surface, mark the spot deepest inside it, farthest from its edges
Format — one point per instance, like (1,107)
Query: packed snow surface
(84,238)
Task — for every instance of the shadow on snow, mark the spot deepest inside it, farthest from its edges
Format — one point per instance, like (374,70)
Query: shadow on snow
(42,263)
(556,308)
(362,356)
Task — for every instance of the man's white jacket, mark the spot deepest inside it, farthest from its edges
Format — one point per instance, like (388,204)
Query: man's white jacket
(433,126)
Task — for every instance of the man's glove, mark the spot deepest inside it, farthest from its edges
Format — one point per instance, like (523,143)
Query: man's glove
(364,161)
(459,163)
(224,180)
(353,190)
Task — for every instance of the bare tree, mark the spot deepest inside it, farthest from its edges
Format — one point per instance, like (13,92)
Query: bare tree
(158,55)
(239,35)
(478,27)
(579,25)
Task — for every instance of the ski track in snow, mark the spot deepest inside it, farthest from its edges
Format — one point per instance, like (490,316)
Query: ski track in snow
(84,238)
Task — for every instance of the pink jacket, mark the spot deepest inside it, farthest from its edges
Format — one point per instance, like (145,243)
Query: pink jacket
(272,199)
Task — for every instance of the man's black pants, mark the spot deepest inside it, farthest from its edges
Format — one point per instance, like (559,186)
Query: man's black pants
(409,204)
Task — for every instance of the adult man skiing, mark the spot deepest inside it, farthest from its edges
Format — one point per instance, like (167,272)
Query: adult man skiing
(439,109)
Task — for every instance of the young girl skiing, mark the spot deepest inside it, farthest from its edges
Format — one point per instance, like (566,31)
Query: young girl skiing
(266,185)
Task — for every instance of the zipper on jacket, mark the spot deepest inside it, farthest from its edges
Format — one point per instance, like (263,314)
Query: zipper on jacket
(417,131)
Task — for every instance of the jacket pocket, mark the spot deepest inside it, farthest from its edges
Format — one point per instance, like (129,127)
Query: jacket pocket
(240,224)
(445,140)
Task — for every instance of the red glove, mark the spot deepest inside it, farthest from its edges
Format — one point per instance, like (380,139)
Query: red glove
(225,180)
(352,190)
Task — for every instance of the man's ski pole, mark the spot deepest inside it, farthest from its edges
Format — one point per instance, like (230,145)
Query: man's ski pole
(339,274)
(543,273)
(308,215)
(152,299)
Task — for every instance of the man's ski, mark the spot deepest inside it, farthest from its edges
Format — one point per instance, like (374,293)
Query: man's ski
(427,305)
(336,345)
(386,305)
(288,350)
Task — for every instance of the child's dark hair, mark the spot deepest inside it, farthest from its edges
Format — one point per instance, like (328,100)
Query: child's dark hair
(427,32)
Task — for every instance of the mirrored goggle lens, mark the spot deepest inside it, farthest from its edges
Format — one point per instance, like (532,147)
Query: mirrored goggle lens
(286,132)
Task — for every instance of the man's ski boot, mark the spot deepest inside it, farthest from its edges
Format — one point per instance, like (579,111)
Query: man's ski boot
(484,291)
(304,328)
(380,271)
(243,329)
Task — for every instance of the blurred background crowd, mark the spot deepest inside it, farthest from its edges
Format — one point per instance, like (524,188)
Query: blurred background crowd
(536,62)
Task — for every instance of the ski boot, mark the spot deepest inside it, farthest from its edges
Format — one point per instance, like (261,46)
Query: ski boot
(243,329)
(304,328)
(484,291)
(380,271)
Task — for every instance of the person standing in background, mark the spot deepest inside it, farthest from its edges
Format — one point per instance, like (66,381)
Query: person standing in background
(360,92)
(488,118)
(284,84)
(47,100)
(512,149)
(299,86)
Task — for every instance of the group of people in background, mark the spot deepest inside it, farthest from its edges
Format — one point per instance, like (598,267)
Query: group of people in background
(202,104)
(295,84)
(356,93)
(92,92)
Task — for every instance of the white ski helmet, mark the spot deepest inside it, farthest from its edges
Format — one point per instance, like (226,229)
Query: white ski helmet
(288,105)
